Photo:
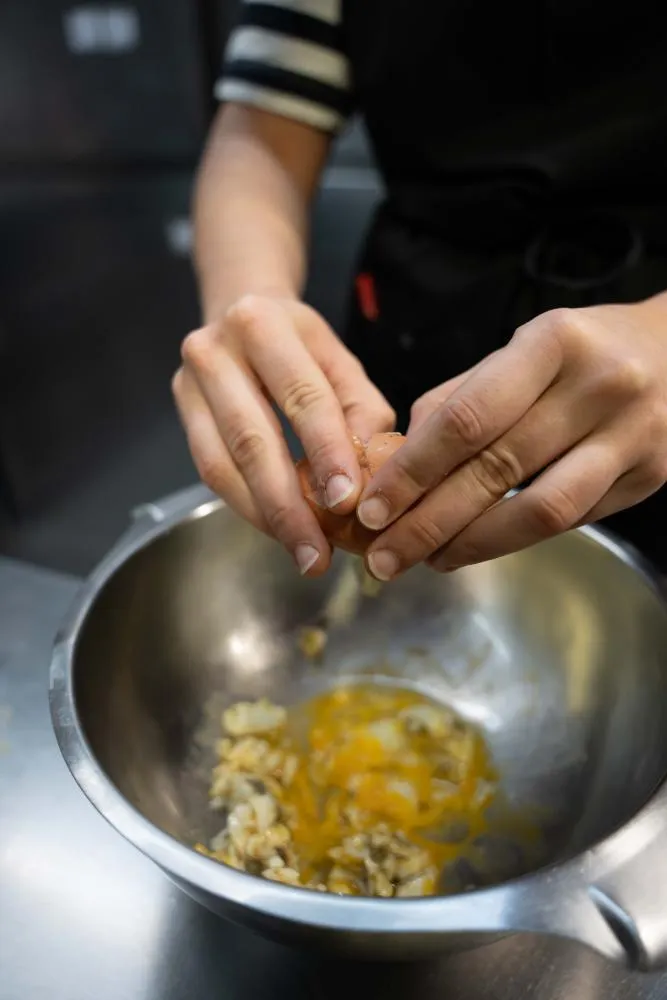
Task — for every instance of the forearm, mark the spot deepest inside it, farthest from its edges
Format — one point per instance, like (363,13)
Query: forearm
(251,207)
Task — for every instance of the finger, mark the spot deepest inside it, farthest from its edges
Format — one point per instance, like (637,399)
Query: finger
(556,502)
(487,404)
(212,460)
(632,488)
(549,429)
(303,393)
(423,407)
(365,409)
(430,401)
(252,435)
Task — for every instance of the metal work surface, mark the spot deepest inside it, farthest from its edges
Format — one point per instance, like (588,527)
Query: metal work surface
(83,914)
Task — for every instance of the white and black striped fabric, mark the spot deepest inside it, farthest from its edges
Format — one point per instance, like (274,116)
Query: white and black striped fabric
(286,56)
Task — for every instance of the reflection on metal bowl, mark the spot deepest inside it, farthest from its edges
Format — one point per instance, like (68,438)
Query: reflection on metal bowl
(559,654)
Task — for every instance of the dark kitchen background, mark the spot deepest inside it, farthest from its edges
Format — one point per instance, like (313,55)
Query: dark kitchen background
(104,109)
(103,113)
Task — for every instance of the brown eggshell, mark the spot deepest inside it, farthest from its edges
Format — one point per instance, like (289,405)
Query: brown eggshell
(344,531)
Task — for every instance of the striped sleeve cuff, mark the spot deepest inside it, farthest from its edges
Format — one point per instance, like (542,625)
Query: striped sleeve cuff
(286,57)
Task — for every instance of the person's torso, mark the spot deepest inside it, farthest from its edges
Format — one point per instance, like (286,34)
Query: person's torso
(490,117)
(524,149)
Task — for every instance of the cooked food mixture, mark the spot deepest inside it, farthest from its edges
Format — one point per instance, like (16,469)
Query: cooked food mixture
(366,791)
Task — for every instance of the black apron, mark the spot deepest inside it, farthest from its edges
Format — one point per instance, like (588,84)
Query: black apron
(524,150)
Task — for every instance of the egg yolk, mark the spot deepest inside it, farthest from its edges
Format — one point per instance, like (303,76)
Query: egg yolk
(370,754)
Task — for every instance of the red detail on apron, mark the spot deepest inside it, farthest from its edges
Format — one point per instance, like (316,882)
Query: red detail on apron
(367,297)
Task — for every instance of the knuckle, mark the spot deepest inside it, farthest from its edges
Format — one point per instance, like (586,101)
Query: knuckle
(562,330)
(321,453)
(301,398)
(460,416)
(196,348)
(246,446)
(249,314)
(210,473)
(427,533)
(564,324)
(414,477)
(427,404)
(467,554)
(653,475)
(496,470)
(553,511)
(632,377)
(279,517)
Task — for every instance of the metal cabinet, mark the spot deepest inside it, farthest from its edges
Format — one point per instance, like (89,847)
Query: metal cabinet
(91,83)
(96,293)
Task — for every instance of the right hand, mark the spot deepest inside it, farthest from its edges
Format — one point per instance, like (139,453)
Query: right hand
(269,349)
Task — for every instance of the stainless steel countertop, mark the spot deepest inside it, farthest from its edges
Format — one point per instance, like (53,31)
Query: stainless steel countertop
(83,915)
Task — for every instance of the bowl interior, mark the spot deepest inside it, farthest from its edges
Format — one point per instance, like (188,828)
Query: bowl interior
(558,653)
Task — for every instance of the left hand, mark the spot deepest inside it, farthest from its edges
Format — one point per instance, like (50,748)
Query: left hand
(581,394)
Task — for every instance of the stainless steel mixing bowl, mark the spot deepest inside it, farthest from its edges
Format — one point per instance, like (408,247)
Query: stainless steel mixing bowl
(558,653)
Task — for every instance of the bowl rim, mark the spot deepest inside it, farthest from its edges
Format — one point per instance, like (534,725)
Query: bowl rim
(560,899)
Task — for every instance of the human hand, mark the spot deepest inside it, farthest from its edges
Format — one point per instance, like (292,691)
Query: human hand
(580,394)
(277,349)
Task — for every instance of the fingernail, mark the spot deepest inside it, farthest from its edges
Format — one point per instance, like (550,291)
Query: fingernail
(305,556)
(374,513)
(383,564)
(337,488)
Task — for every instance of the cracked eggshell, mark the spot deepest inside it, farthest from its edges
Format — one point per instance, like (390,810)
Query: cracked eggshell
(344,531)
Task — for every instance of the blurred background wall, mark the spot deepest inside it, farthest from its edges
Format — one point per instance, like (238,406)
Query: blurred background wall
(103,113)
